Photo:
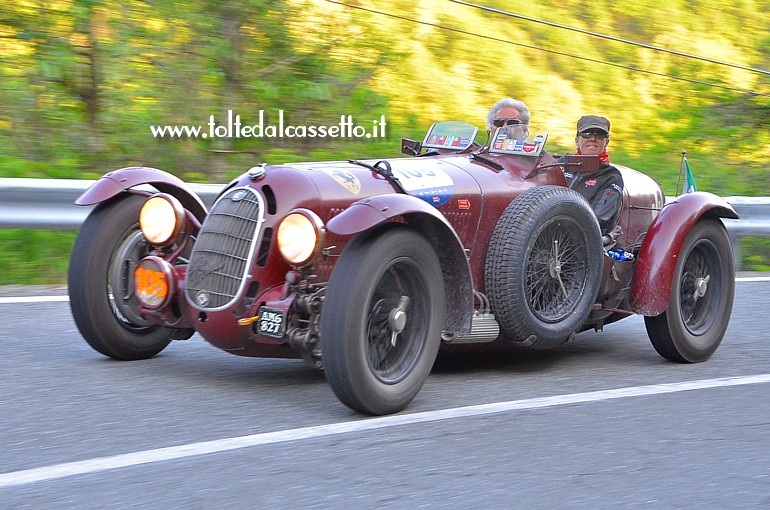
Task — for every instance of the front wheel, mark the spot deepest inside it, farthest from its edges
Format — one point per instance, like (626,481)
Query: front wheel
(693,325)
(100,281)
(382,319)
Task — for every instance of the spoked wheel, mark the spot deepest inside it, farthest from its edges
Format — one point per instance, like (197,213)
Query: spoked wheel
(555,272)
(382,319)
(101,283)
(543,266)
(693,325)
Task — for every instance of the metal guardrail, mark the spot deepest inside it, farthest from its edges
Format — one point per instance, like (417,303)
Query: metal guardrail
(754,220)
(50,204)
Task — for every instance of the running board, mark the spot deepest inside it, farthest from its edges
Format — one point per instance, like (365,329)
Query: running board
(484,328)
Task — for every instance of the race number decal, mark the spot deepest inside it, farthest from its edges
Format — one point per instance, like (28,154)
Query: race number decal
(425,180)
(153,282)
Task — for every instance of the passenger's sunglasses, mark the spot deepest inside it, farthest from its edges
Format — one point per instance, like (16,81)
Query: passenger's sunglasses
(505,122)
(599,135)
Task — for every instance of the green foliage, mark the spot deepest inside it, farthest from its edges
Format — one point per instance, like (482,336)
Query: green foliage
(83,81)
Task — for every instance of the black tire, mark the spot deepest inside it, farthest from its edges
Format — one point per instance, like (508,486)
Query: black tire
(102,301)
(693,325)
(374,272)
(543,266)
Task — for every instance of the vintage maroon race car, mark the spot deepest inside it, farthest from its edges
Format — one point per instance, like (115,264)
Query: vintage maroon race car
(367,268)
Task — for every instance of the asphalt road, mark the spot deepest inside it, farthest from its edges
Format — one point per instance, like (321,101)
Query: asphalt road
(602,423)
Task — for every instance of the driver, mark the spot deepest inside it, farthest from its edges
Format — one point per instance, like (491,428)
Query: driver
(511,113)
(603,189)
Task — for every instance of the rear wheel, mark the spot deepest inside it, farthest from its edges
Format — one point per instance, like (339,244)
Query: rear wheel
(100,280)
(381,321)
(693,325)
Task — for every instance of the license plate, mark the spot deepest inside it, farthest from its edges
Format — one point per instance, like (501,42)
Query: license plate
(272,322)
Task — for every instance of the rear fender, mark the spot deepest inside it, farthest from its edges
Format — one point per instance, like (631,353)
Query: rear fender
(656,261)
(458,283)
(112,184)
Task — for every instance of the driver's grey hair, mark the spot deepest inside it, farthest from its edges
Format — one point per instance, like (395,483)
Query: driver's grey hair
(511,103)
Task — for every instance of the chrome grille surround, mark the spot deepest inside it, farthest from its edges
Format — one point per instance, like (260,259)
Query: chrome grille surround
(224,250)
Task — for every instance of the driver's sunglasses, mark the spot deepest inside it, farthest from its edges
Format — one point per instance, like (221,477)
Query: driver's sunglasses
(599,135)
(505,122)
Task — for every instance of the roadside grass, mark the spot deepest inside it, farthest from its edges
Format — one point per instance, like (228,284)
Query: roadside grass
(755,254)
(35,257)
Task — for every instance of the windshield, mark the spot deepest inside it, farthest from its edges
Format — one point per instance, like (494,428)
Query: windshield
(450,135)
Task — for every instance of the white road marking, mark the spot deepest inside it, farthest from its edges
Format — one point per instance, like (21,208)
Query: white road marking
(96,465)
(32,299)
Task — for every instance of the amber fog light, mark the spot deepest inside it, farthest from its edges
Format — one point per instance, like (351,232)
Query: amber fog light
(161,218)
(154,282)
(299,236)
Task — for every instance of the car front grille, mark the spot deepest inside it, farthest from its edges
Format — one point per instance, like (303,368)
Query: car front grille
(223,250)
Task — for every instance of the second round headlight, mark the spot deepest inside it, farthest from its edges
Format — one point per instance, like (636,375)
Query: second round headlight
(299,236)
(161,218)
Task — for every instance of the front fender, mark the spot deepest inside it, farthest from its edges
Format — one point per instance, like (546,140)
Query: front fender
(458,283)
(119,181)
(370,212)
(656,261)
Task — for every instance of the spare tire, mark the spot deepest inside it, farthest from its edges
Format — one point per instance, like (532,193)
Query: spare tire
(543,266)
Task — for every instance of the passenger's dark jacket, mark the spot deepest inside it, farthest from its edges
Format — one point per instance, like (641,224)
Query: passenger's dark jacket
(602,189)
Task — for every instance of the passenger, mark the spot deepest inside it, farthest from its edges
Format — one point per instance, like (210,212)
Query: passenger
(603,189)
(512,113)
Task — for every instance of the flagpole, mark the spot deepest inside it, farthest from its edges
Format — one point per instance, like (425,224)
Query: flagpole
(681,168)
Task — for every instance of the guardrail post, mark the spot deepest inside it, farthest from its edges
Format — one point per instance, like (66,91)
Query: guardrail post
(735,241)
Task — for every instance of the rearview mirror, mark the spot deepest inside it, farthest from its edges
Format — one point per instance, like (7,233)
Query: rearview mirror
(410,147)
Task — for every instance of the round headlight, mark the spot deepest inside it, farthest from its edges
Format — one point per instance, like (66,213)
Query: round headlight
(161,218)
(154,282)
(299,236)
